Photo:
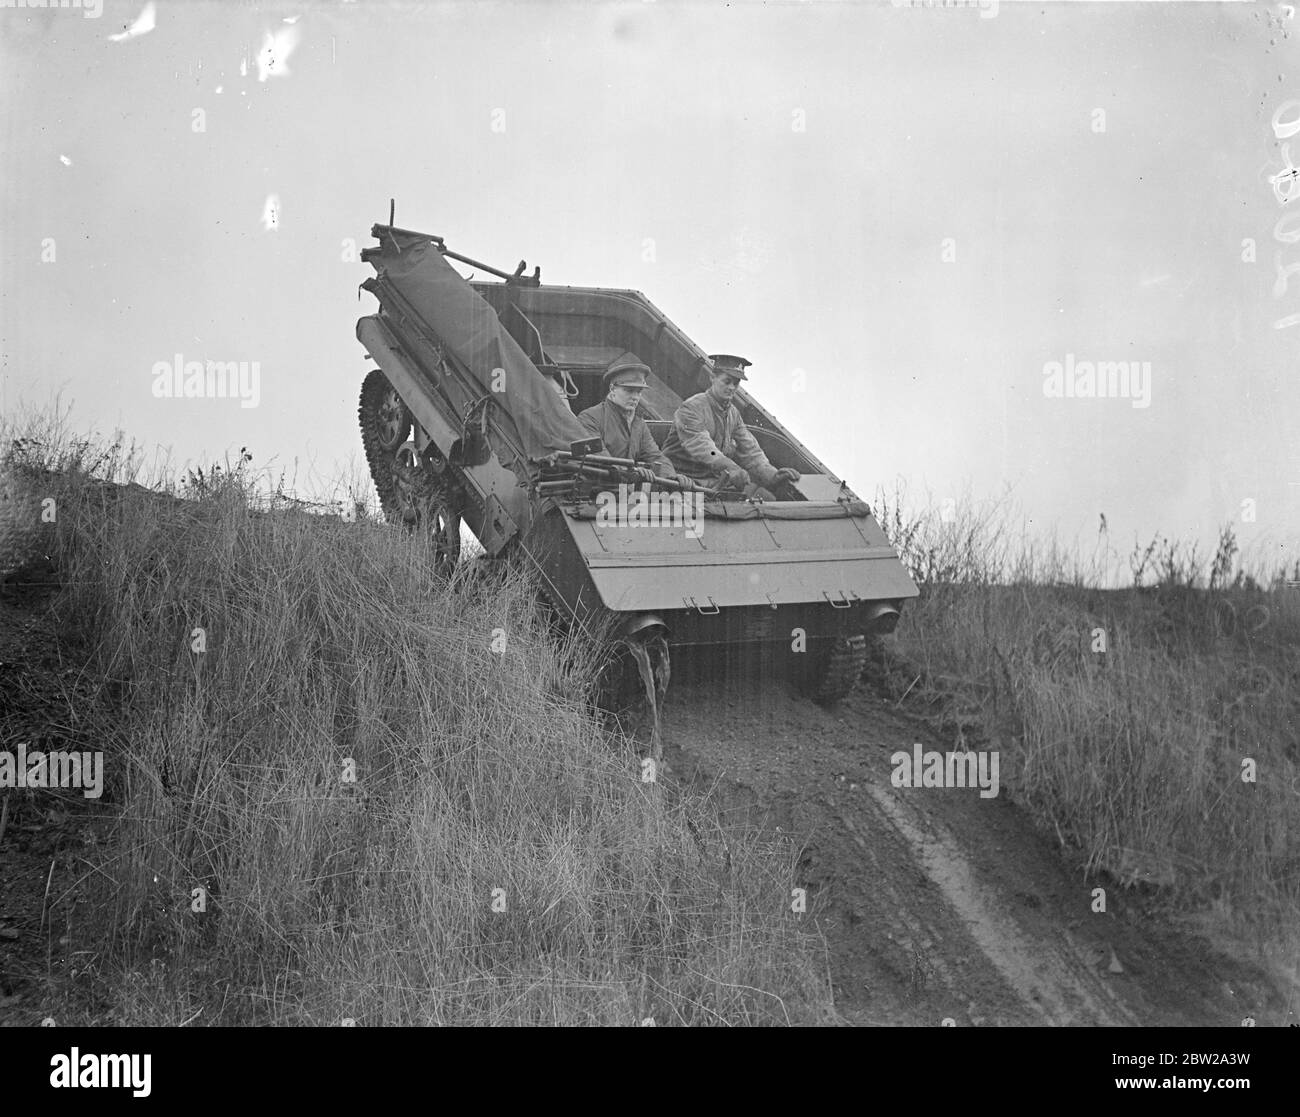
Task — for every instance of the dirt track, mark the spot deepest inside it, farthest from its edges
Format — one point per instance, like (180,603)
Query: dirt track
(936,903)
(933,903)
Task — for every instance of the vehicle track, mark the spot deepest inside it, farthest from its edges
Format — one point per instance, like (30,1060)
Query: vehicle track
(937,904)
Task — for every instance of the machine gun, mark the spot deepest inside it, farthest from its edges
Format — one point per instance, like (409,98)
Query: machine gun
(583,466)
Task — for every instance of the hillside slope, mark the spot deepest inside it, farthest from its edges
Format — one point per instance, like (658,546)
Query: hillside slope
(936,903)
(398,808)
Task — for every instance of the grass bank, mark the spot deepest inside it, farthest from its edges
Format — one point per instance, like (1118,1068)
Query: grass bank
(340,788)
(1152,725)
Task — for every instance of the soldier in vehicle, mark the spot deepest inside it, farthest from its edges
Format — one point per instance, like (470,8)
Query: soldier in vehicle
(710,442)
(616,423)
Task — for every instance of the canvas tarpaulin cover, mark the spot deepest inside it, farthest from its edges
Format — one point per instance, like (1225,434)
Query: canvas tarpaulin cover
(471,330)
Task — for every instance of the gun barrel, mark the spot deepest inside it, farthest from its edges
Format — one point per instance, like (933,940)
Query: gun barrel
(596,459)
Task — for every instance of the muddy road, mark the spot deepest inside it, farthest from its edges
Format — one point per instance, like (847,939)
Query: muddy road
(934,903)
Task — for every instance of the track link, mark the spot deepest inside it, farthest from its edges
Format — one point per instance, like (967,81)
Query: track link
(843,667)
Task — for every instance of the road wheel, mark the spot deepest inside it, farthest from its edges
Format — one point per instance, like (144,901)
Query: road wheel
(428,504)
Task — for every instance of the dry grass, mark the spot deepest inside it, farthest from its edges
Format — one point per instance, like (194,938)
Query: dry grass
(353,775)
(391,820)
(1123,715)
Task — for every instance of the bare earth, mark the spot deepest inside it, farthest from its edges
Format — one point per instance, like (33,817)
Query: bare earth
(934,903)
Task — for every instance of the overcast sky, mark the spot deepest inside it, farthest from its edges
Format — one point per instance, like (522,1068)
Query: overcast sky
(920,209)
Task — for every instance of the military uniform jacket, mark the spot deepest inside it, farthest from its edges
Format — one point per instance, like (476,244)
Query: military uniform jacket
(705,441)
(624,440)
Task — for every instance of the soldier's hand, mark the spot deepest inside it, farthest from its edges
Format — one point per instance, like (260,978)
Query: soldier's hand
(734,479)
(790,475)
(645,474)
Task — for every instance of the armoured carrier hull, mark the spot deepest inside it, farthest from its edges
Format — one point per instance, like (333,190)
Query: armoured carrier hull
(459,423)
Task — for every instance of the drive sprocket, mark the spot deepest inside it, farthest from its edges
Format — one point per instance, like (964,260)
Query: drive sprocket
(385,426)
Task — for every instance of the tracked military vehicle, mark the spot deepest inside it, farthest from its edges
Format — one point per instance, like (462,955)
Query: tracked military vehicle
(460,424)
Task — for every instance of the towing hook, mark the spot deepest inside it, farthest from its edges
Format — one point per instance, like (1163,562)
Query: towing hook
(711,610)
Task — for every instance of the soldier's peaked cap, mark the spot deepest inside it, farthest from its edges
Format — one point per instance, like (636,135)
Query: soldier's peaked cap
(731,365)
(627,370)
